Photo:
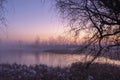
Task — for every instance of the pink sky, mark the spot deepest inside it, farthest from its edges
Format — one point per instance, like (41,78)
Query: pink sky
(27,19)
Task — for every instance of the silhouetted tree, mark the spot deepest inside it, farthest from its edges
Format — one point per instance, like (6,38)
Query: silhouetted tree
(99,18)
(2,13)
(37,40)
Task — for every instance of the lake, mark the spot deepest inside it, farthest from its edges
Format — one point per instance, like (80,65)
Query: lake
(49,59)
(32,58)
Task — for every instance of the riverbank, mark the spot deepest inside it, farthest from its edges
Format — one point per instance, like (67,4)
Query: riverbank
(75,72)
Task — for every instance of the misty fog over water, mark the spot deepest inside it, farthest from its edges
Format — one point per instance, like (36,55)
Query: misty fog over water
(50,59)
(32,54)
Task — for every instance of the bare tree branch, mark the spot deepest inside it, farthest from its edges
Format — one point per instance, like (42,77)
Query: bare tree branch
(103,17)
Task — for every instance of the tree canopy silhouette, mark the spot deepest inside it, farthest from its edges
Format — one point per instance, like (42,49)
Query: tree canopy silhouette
(99,18)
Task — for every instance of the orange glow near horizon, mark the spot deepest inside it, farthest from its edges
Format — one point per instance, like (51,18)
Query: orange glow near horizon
(45,37)
(33,19)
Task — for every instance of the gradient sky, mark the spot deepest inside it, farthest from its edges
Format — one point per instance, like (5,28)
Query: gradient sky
(27,19)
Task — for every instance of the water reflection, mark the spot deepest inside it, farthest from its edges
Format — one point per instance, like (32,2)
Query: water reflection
(50,59)
(31,58)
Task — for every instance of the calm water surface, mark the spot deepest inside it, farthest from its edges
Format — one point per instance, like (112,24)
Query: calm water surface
(49,59)
(32,58)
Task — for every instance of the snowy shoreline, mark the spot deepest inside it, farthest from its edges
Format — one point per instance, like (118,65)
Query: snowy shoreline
(43,72)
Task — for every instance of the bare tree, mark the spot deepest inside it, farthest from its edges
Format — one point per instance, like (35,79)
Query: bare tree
(100,19)
(2,13)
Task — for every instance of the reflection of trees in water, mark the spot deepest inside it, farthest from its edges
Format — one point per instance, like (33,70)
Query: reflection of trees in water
(51,59)
(36,54)
(54,59)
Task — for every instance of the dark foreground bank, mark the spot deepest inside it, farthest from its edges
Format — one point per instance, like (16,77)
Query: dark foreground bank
(75,72)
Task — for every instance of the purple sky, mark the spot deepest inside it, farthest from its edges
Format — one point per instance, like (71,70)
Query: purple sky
(27,19)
